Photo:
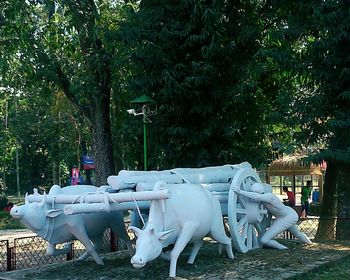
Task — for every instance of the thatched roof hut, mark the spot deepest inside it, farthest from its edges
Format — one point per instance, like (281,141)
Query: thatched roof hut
(297,169)
(292,165)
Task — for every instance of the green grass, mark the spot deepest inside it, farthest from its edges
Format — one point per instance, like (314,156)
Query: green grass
(339,270)
(6,221)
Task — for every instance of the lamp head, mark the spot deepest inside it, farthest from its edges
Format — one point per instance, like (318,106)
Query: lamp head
(131,111)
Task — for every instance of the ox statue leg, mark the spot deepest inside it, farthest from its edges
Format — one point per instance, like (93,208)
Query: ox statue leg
(196,246)
(52,251)
(118,227)
(97,241)
(217,230)
(183,238)
(81,235)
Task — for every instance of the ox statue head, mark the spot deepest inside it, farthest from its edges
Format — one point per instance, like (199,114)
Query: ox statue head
(32,214)
(148,244)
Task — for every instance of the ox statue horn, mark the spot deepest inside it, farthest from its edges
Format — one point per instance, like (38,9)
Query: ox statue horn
(42,203)
(26,201)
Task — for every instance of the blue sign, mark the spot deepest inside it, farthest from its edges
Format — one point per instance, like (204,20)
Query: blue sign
(88,162)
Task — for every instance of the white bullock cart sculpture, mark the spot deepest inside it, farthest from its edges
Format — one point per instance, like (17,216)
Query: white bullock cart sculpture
(247,218)
(133,190)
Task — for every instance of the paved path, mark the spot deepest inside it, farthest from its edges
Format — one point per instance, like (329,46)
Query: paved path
(9,234)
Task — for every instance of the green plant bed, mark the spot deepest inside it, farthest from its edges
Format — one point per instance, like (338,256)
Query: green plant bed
(339,270)
(6,221)
(3,201)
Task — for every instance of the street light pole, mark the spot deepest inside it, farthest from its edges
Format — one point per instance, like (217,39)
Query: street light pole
(17,172)
(145,145)
(17,158)
(145,111)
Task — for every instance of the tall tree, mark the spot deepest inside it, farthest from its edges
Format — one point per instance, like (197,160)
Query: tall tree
(45,142)
(6,141)
(321,106)
(329,57)
(199,60)
(68,45)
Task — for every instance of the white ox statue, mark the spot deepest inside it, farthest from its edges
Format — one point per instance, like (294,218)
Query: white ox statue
(49,222)
(188,215)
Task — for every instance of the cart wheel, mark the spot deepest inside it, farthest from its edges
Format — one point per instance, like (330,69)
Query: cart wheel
(248,219)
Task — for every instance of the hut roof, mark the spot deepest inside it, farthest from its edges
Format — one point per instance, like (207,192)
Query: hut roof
(293,165)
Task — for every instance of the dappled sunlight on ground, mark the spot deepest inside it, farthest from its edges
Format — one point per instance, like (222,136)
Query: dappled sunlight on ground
(256,264)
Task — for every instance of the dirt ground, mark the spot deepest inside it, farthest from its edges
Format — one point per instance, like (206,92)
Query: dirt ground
(254,265)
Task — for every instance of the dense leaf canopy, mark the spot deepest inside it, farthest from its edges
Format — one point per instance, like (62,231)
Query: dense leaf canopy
(204,64)
(233,80)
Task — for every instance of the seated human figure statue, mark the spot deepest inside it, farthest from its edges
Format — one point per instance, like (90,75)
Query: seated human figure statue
(285,216)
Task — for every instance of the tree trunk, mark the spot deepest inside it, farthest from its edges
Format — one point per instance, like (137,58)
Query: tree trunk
(343,207)
(88,171)
(55,173)
(97,67)
(102,140)
(55,160)
(328,210)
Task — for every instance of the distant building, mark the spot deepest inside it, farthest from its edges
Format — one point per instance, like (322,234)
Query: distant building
(292,171)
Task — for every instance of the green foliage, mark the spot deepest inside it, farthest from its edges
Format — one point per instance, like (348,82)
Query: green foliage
(6,221)
(199,61)
(46,131)
(233,80)
(55,47)
(321,104)
(3,202)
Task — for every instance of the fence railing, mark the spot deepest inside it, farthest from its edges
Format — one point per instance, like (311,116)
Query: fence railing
(30,251)
(4,258)
(27,252)
(321,229)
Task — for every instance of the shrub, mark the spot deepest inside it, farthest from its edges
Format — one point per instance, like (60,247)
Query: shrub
(6,222)
(3,202)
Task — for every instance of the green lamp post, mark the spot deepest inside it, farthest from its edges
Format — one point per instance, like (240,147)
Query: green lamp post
(145,102)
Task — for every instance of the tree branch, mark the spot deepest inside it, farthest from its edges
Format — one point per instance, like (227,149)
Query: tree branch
(61,80)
